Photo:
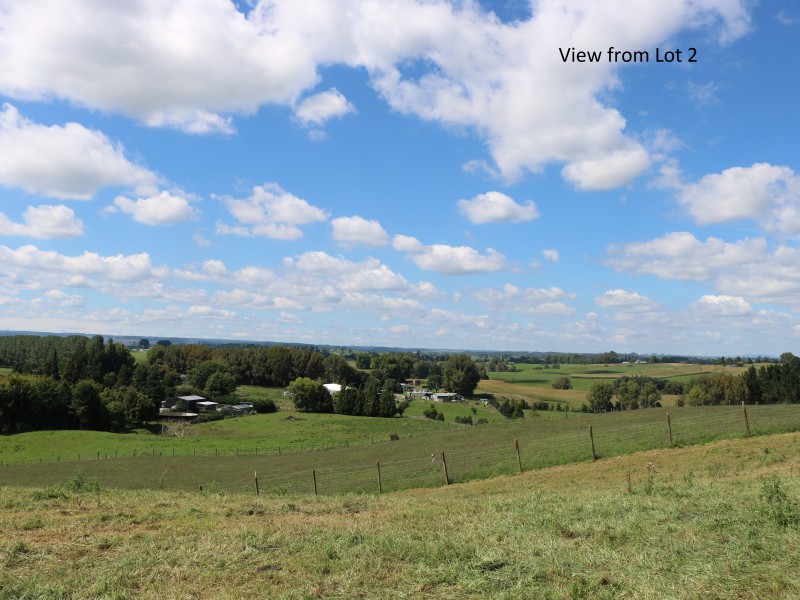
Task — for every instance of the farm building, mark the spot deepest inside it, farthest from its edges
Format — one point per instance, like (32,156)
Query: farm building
(447,397)
(236,410)
(207,406)
(183,403)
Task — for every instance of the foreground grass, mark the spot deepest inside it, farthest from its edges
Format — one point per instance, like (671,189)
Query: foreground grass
(715,521)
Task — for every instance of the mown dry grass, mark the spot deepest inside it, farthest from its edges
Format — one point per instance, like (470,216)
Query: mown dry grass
(696,523)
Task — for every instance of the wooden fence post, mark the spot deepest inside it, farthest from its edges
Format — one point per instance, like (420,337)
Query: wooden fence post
(669,425)
(746,420)
(314,477)
(255,476)
(380,484)
(519,460)
(444,464)
(591,439)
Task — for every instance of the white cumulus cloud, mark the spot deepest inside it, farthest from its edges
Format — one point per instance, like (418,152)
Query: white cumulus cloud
(625,299)
(318,109)
(191,64)
(44,222)
(723,305)
(449,260)
(162,209)
(69,161)
(496,207)
(551,254)
(764,193)
(271,212)
(680,255)
(358,231)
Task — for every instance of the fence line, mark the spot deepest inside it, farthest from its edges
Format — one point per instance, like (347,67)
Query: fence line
(524,451)
(514,456)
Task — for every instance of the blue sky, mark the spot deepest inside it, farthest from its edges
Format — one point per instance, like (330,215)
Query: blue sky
(403,172)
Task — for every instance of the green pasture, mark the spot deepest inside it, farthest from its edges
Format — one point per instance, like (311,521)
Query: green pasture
(582,376)
(283,431)
(254,392)
(415,460)
(140,356)
(451,410)
(712,521)
(533,382)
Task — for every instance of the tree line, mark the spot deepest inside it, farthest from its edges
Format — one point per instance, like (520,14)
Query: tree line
(768,384)
(76,383)
(88,383)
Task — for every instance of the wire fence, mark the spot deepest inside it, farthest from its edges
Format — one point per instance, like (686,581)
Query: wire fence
(461,455)
(526,452)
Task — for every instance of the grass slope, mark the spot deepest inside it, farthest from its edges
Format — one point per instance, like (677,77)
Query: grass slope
(471,452)
(715,521)
(289,431)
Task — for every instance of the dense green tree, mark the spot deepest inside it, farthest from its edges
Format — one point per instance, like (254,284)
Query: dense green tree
(512,408)
(15,399)
(51,403)
(371,406)
(51,367)
(88,407)
(392,366)
(628,394)
(220,386)
(199,375)
(562,383)
(435,382)
(387,406)
(310,396)
(264,405)
(346,402)
(363,360)
(149,380)
(337,370)
(650,396)
(599,396)
(460,375)
(156,354)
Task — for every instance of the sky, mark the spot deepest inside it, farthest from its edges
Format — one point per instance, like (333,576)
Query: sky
(551,175)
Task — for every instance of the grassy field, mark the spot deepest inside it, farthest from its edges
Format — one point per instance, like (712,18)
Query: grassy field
(532,382)
(254,392)
(714,521)
(139,356)
(410,462)
(451,410)
(285,431)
